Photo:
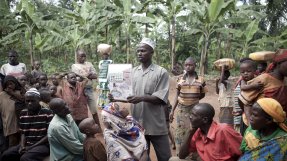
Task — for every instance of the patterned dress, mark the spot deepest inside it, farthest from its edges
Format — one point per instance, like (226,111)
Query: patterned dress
(258,148)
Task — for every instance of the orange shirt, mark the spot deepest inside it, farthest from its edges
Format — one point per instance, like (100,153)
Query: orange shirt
(76,100)
(222,143)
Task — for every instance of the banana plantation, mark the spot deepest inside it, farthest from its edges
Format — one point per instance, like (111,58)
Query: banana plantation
(52,30)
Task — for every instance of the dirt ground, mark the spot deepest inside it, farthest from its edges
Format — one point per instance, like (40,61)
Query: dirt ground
(210,97)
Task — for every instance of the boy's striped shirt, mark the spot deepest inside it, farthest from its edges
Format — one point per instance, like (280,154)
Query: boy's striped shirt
(35,126)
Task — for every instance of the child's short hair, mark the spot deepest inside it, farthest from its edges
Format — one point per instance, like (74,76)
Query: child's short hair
(250,62)
(244,59)
(86,123)
(43,94)
(43,74)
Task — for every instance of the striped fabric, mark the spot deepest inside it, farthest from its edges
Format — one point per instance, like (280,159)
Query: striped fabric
(190,92)
(236,92)
(34,126)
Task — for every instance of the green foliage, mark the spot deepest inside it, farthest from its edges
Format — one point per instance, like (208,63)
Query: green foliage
(205,30)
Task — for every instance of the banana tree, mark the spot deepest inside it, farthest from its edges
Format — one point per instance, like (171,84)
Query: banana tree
(169,15)
(208,16)
(28,19)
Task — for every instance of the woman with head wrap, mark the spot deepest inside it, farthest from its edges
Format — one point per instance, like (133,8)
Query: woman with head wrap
(124,137)
(273,82)
(266,138)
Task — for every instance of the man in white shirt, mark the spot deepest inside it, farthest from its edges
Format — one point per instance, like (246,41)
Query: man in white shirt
(13,67)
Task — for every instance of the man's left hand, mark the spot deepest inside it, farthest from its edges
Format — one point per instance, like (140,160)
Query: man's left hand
(135,99)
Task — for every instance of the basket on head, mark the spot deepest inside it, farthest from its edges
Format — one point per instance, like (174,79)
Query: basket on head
(262,55)
(228,62)
(104,49)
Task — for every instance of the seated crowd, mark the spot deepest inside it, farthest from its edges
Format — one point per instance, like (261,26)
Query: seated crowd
(45,116)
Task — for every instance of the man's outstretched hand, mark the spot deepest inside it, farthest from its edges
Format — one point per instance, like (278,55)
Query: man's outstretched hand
(134,99)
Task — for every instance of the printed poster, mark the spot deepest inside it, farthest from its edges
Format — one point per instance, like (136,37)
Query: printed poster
(120,80)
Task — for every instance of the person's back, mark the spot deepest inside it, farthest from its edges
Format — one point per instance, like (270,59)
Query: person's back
(224,91)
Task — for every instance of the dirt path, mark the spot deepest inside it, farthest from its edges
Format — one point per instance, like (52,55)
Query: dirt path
(211,97)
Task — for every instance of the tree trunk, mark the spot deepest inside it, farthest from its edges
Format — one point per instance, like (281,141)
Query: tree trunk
(146,30)
(90,51)
(128,48)
(155,52)
(203,57)
(76,48)
(172,42)
(107,34)
(228,46)
(169,39)
(31,49)
(219,51)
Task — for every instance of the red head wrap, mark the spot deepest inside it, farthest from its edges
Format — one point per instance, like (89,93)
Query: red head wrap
(280,56)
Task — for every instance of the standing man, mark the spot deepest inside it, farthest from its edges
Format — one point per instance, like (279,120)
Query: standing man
(34,122)
(13,67)
(65,138)
(86,69)
(150,88)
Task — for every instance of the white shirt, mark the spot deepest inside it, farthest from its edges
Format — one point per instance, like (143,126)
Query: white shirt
(14,70)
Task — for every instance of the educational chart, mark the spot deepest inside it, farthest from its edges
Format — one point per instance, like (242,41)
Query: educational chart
(120,80)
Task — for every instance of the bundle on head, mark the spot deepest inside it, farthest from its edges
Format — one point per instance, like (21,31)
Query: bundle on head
(104,49)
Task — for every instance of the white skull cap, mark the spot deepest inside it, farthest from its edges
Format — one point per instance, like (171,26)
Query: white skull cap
(33,91)
(149,42)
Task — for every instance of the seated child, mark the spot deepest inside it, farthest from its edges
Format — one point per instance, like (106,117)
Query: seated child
(124,136)
(55,78)
(94,150)
(45,98)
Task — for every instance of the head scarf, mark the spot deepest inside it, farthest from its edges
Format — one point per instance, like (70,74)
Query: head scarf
(280,56)
(33,91)
(12,79)
(275,110)
(124,136)
(149,42)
